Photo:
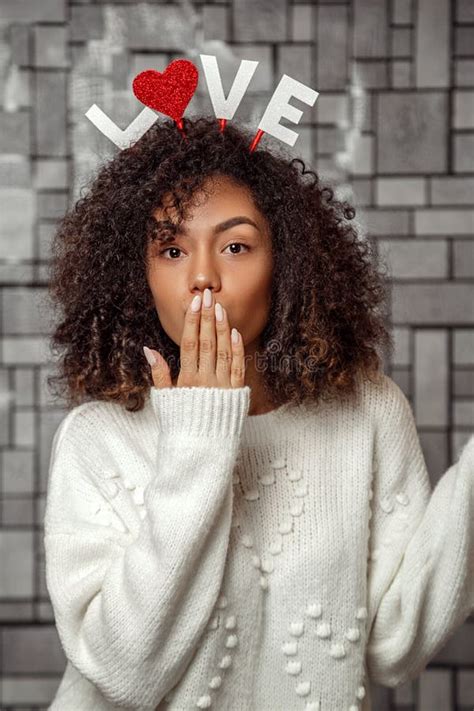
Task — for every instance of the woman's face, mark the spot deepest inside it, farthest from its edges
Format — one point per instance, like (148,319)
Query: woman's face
(232,259)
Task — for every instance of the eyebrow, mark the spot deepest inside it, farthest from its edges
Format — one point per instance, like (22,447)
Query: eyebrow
(222,226)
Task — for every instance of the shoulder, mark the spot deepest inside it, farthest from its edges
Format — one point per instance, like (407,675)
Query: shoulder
(102,430)
(92,424)
(383,398)
(393,420)
(377,404)
(81,419)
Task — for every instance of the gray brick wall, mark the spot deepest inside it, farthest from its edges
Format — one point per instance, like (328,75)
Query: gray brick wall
(392,129)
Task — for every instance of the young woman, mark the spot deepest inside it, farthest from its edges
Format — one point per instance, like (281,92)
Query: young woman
(241,524)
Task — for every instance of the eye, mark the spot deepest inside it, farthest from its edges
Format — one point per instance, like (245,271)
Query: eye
(240,244)
(167,249)
(177,249)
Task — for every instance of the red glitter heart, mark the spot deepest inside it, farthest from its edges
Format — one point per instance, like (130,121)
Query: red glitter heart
(168,92)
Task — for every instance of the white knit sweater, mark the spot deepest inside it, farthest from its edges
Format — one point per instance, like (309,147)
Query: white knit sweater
(200,557)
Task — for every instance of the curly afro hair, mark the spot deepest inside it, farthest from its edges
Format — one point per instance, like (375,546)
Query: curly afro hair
(325,326)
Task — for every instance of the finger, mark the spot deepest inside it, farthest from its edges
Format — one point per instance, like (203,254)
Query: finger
(207,337)
(160,371)
(223,347)
(190,341)
(237,373)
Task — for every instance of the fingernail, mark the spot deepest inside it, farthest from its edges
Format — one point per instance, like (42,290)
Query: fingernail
(235,335)
(196,303)
(149,356)
(219,312)
(207,298)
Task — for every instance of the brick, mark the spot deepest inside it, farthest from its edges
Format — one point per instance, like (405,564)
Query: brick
(401,42)
(361,191)
(295,60)
(17,207)
(155,27)
(26,350)
(431,396)
(458,221)
(51,174)
(14,274)
(416,259)
(411,132)
(24,433)
(465,687)
(463,72)
(52,206)
(263,21)
(45,237)
(331,108)
(51,46)
(22,97)
(386,222)
(120,71)
(463,41)
(452,191)
(434,690)
(28,690)
(459,438)
(327,170)
(463,145)
(51,124)
(18,511)
(463,259)
(435,447)
(32,650)
(32,11)
(15,172)
(24,387)
(402,378)
(144,60)
(363,155)
(463,382)
(402,341)
(370,23)
(21,312)
(433,49)
(400,191)
(20,45)
(45,613)
(302,23)
(372,74)
(363,105)
(86,23)
(15,132)
(18,472)
(463,346)
(330,139)
(401,75)
(262,80)
(404,694)
(464,11)
(16,567)
(332,47)
(216,22)
(402,12)
(463,109)
(463,413)
(442,303)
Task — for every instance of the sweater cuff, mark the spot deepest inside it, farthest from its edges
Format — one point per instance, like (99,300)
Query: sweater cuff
(201,411)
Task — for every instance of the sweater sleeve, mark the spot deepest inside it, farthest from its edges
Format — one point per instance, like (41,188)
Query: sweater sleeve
(130,608)
(421,549)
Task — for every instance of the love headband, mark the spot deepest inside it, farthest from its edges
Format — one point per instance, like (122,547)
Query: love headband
(170,92)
